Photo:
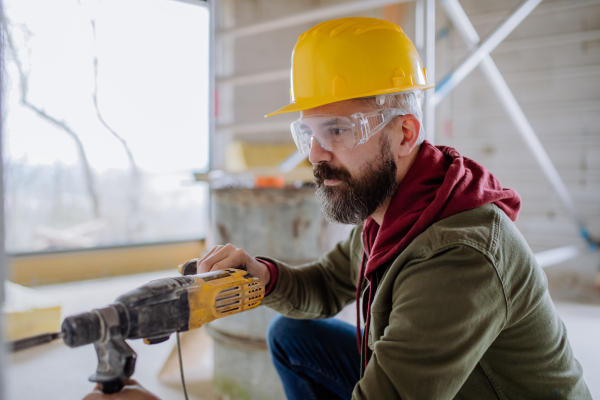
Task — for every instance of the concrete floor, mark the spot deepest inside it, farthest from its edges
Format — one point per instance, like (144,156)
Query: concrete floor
(54,371)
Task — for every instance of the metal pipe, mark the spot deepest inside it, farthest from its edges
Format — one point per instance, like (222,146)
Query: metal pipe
(223,62)
(211,84)
(309,16)
(419,24)
(473,60)
(429,117)
(3,263)
(461,22)
(463,25)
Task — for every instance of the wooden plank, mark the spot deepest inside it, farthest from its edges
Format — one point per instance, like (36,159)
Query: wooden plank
(46,268)
(28,312)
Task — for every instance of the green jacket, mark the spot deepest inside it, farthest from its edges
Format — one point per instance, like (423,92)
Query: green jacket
(463,312)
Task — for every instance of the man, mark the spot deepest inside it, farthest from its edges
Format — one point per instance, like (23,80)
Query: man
(453,302)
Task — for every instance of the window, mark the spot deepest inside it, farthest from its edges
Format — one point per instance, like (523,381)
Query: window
(106,117)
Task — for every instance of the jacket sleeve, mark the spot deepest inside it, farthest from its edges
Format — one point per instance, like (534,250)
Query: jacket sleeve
(316,290)
(446,311)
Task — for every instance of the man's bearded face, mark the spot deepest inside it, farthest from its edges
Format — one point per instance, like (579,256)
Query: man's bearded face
(355,199)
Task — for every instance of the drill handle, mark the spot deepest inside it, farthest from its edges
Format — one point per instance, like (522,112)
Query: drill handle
(189,267)
(113,386)
(116,362)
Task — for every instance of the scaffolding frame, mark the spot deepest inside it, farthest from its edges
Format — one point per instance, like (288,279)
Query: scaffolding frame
(425,36)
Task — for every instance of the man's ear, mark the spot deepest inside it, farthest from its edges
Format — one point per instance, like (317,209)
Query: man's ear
(410,134)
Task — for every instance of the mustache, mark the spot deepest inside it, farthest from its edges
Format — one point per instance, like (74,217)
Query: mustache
(326,171)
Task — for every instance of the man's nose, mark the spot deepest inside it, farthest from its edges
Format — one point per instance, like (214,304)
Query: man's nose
(317,153)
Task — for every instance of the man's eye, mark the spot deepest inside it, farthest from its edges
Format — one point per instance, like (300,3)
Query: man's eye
(336,131)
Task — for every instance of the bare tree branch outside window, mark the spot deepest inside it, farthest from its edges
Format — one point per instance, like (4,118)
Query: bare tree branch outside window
(135,175)
(41,112)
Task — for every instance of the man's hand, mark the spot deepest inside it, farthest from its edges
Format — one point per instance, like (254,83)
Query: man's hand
(228,256)
(131,391)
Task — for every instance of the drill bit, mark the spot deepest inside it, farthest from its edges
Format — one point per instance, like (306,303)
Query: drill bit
(32,341)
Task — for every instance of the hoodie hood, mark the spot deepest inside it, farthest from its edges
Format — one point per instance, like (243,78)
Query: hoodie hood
(439,184)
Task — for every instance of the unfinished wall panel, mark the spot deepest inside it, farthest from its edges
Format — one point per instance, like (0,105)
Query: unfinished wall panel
(550,63)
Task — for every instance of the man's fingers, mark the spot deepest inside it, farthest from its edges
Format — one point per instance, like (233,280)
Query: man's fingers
(236,259)
(209,253)
(218,255)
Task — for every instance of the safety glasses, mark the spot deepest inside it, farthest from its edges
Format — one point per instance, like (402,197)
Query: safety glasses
(339,132)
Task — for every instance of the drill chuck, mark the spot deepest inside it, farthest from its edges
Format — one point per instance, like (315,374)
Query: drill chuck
(98,325)
(81,329)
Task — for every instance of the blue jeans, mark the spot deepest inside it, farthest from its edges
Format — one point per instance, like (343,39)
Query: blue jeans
(315,359)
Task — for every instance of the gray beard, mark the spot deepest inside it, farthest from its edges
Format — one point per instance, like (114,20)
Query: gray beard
(355,199)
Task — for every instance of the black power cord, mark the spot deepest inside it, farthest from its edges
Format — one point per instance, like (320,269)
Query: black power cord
(181,366)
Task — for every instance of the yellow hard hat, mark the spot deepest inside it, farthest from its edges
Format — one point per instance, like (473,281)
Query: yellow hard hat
(353,57)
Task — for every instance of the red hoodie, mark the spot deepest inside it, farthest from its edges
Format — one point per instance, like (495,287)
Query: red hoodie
(439,184)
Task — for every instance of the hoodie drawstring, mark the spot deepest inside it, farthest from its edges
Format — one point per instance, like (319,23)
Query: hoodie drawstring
(363,346)
(360,281)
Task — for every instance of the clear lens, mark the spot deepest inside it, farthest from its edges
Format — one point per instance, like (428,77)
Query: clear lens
(301,136)
(330,131)
(334,132)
